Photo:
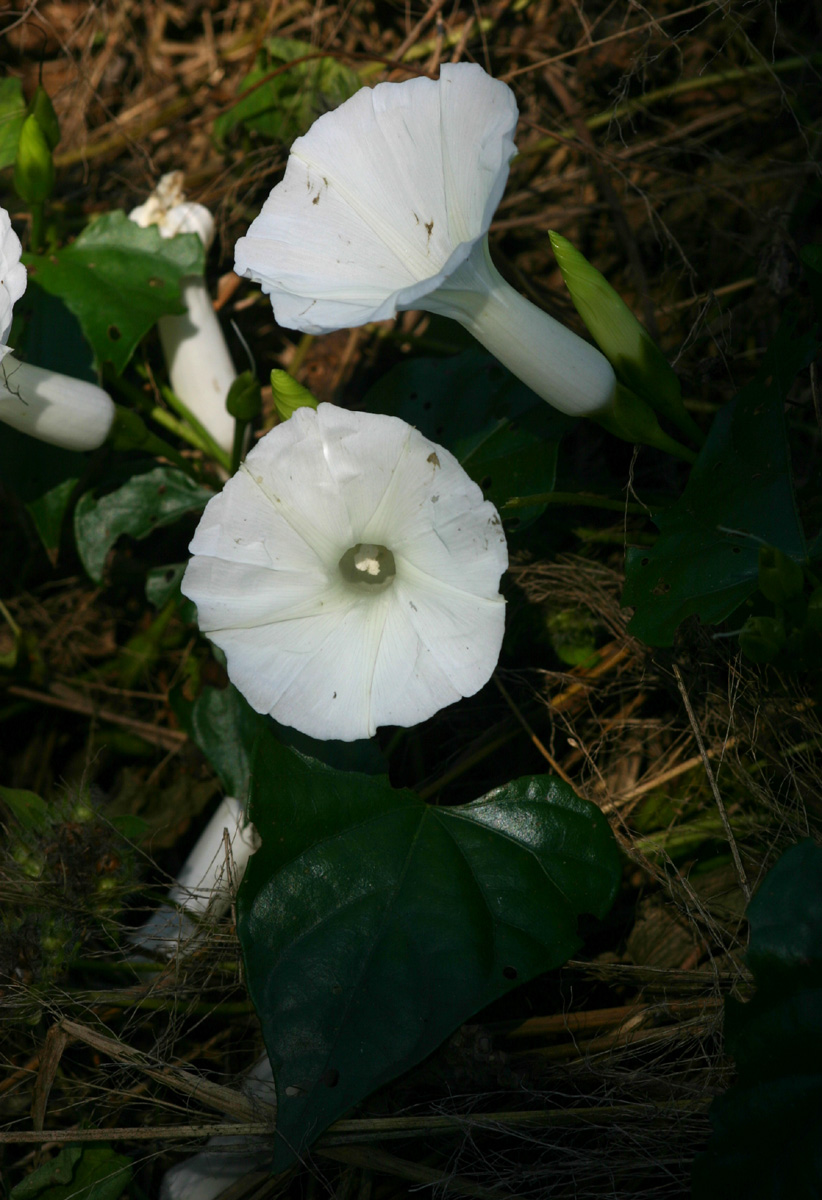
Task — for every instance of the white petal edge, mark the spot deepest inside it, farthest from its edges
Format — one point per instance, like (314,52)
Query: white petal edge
(382,199)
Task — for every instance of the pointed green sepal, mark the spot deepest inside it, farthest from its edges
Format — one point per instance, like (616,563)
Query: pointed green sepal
(631,418)
(42,109)
(762,639)
(288,395)
(33,166)
(630,349)
(780,578)
(244,399)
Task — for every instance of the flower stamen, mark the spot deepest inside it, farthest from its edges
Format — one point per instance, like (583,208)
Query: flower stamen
(368,565)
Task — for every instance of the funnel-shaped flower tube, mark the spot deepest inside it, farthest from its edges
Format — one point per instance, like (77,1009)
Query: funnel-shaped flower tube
(52,407)
(386,205)
(202,885)
(350,572)
(197,356)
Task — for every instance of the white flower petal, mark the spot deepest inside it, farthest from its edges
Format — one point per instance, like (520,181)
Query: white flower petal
(332,657)
(13,277)
(382,199)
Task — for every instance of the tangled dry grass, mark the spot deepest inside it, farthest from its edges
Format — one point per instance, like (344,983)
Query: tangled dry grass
(676,145)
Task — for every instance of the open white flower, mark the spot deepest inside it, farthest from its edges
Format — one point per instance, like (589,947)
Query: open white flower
(350,573)
(197,356)
(52,407)
(386,204)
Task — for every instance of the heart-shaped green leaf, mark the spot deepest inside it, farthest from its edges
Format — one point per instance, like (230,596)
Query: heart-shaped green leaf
(281,104)
(372,924)
(739,495)
(118,279)
(144,503)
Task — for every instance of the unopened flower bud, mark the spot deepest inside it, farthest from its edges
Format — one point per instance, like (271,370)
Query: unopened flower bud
(630,349)
(780,578)
(244,399)
(42,108)
(762,639)
(33,167)
(289,395)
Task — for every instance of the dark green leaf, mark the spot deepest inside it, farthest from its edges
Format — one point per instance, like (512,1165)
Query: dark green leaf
(767,1140)
(118,279)
(12,116)
(143,504)
(505,437)
(227,729)
(785,917)
(739,495)
(90,1173)
(282,106)
(372,924)
(811,258)
(44,476)
(30,809)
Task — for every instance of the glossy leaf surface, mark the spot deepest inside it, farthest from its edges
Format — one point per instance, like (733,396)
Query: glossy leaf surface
(142,504)
(739,495)
(767,1139)
(372,924)
(77,1173)
(118,279)
(281,103)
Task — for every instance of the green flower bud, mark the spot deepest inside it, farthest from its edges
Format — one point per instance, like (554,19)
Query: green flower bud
(244,399)
(762,639)
(780,578)
(631,418)
(42,108)
(33,167)
(630,349)
(289,395)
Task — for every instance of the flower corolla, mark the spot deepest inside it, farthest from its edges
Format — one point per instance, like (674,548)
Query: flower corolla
(350,573)
(194,346)
(386,204)
(55,408)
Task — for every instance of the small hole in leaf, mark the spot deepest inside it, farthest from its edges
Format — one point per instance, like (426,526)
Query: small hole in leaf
(293,1091)
(413,396)
(736,549)
(426,404)
(168,575)
(509,972)
(114,333)
(439,431)
(485,483)
(643,562)
(331,1077)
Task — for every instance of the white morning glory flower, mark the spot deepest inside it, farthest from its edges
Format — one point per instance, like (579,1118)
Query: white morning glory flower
(386,204)
(52,407)
(194,346)
(350,573)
